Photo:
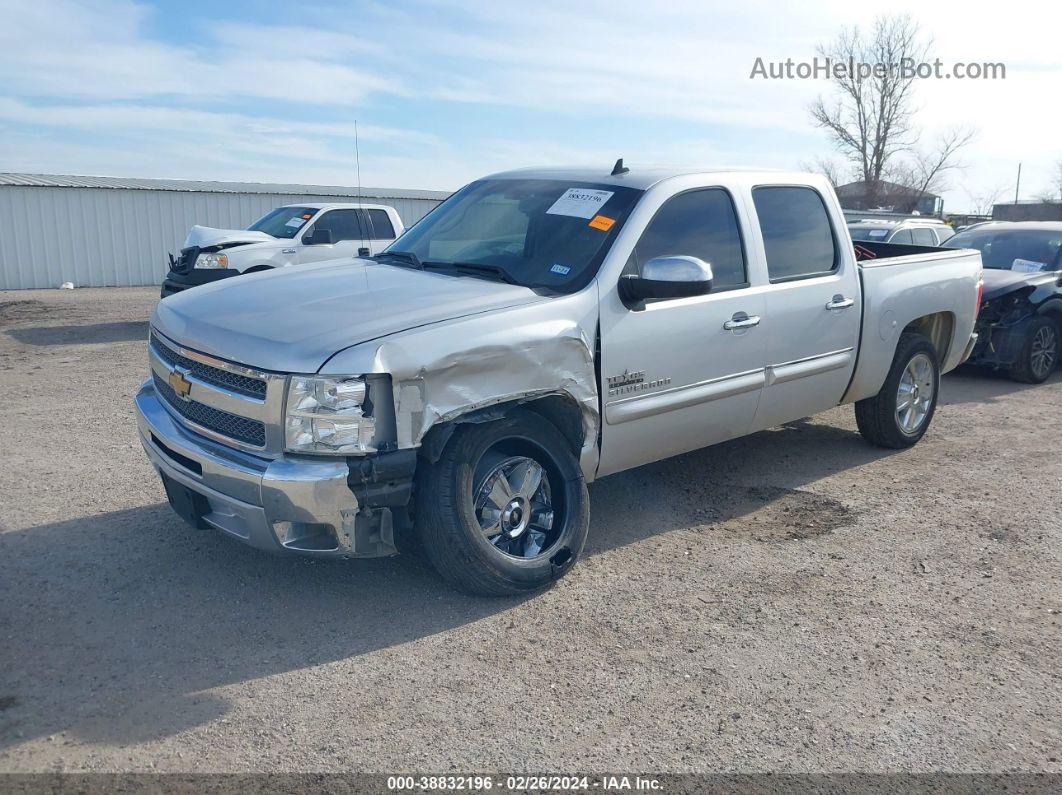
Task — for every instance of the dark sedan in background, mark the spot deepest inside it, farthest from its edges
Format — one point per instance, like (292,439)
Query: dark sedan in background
(1021,313)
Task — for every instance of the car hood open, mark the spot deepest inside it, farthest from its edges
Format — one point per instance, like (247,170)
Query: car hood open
(294,320)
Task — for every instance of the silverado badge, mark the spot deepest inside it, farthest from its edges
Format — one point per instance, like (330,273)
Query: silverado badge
(181,385)
(629,382)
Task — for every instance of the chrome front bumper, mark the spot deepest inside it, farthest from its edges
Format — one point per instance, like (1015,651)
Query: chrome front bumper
(294,504)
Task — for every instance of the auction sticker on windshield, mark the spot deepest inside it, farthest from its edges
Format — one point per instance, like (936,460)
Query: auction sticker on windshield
(580,202)
(296,222)
(1027,266)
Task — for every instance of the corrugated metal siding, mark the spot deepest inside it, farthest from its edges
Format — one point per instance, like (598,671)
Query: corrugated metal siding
(107,237)
(201,186)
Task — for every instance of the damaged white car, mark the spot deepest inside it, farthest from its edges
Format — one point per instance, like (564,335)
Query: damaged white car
(538,330)
(296,234)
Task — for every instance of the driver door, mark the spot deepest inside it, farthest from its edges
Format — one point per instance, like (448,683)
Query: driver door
(347,237)
(680,374)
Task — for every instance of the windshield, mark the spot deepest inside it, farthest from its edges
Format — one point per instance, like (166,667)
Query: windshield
(548,234)
(283,222)
(1028,250)
(869,232)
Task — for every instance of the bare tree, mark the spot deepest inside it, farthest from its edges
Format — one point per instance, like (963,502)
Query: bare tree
(984,202)
(831,169)
(870,119)
(1056,182)
(926,171)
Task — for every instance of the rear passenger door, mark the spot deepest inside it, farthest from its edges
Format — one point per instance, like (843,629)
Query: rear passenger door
(812,313)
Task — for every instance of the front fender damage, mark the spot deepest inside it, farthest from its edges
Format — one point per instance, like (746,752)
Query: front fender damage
(513,366)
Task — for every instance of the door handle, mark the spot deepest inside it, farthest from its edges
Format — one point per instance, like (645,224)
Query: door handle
(741,320)
(840,302)
(287,251)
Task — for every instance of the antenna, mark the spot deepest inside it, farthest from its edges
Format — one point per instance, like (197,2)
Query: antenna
(364,217)
(619,169)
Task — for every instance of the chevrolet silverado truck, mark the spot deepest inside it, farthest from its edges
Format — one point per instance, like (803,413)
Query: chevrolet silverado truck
(295,234)
(537,330)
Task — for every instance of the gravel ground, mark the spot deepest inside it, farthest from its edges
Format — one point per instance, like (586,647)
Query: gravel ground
(795,600)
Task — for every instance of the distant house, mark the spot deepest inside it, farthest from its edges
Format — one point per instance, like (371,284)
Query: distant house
(888,196)
(1028,210)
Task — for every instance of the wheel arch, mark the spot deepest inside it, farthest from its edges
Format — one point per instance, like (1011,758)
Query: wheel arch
(1053,310)
(259,268)
(939,328)
(561,409)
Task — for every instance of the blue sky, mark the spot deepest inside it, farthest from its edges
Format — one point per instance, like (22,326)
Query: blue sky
(445,92)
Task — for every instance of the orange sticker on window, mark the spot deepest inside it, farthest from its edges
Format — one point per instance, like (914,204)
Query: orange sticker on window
(602,222)
(307,215)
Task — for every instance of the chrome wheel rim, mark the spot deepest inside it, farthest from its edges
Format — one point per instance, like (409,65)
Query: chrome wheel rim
(514,507)
(1043,352)
(914,397)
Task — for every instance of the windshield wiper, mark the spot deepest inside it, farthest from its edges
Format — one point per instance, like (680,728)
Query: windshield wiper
(475,269)
(405,256)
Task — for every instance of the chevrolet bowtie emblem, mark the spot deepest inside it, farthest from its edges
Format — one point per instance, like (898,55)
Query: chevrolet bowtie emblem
(181,385)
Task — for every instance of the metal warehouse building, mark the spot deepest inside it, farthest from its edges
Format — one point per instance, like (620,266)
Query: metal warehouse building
(112,231)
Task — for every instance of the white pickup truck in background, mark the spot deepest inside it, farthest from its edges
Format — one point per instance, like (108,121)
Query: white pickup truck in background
(295,234)
(538,330)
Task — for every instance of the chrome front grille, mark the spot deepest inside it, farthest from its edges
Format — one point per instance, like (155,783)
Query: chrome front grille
(230,403)
(241,429)
(242,384)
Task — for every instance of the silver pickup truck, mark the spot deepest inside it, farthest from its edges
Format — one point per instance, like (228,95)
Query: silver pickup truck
(537,330)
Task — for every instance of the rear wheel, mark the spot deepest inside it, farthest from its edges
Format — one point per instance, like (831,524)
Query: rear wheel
(505,509)
(900,413)
(1039,354)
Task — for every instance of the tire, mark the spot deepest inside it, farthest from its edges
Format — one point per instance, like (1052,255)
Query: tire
(454,503)
(881,419)
(1039,352)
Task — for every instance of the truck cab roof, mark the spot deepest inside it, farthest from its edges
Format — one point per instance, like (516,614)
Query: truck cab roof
(644,178)
(337,205)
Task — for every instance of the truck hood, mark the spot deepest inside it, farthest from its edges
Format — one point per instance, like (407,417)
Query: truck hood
(206,236)
(294,320)
(999,282)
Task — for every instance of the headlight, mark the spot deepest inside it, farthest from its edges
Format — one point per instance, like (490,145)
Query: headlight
(212,261)
(327,415)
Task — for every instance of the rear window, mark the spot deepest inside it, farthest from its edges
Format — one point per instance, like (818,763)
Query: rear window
(878,233)
(797,235)
(923,236)
(381,226)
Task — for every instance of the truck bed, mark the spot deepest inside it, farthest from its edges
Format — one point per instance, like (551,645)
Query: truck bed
(902,283)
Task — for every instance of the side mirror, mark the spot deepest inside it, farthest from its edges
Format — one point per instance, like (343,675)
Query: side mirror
(318,237)
(667,277)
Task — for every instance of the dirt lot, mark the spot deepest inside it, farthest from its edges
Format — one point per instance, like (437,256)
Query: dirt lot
(796,600)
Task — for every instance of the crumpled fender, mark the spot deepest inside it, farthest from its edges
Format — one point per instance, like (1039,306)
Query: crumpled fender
(445,370)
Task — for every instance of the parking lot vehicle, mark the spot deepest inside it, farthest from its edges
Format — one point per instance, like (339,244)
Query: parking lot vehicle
(1020,323)
(919,231)
(537,330)
(295,234)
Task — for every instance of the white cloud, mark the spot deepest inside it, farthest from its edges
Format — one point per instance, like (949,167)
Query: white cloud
(583,81)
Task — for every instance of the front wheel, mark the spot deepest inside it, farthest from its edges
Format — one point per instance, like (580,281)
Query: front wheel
(505,509)
(1039,353)
(900,413)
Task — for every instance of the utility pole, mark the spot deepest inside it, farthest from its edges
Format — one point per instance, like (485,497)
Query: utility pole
(1017,186)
